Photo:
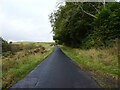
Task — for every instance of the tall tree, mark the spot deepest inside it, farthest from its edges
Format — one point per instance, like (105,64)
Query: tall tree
(79,24)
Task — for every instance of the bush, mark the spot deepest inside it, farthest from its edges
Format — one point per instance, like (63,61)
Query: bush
(21,46)
(29,46)
(14,48)
(5,45)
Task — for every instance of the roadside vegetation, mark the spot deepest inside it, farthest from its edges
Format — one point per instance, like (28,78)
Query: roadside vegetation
(21,58)
(101,64)
(90,35)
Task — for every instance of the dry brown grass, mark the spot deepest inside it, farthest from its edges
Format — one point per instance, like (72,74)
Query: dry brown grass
(18,65)
(101,63)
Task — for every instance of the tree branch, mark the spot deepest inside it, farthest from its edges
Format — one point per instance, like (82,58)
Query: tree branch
(95,8)
(88,13)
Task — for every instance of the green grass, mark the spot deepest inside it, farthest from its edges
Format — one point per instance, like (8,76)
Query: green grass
(101,64)
(17,66)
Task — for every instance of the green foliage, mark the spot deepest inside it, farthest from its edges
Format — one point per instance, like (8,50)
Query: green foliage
(5,45)
(70,25)
(106,25)
(86,24)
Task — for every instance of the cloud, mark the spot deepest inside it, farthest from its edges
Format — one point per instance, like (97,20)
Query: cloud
(26,20)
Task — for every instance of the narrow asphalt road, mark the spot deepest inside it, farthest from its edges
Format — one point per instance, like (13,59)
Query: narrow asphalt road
(56,71)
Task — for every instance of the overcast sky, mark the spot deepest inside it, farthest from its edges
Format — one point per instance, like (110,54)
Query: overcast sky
(26,20)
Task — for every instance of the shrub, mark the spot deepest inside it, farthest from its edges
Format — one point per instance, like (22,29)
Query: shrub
(30,46)
(5,45)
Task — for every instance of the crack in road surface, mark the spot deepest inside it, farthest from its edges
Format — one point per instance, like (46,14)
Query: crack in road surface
(56,71)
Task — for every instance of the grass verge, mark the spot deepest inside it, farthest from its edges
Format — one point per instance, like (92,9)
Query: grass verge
(102,65)
(16,67)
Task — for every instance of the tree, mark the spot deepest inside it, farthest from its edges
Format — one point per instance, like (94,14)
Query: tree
(71,24)
(86,24)
(5,45)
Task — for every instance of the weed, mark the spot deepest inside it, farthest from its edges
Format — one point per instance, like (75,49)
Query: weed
(98,62)
(17,66)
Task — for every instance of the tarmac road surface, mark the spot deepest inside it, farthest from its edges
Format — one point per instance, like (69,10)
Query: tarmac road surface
(57,71)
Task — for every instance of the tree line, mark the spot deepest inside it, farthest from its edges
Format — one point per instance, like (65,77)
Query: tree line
(86,24)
